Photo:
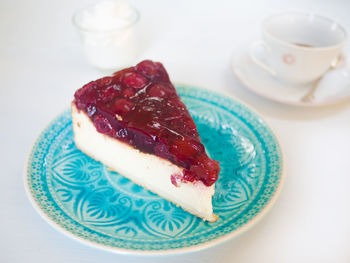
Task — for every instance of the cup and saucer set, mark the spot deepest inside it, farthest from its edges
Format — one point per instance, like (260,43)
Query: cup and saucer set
(300,61)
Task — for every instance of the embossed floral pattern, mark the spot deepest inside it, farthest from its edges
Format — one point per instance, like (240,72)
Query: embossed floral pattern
(107,203)
(165,218)
(80,170)
(97,205)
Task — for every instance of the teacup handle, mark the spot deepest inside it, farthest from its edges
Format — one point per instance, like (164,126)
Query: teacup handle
(258,61)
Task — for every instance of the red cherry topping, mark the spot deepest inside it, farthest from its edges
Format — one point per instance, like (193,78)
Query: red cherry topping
(140,106)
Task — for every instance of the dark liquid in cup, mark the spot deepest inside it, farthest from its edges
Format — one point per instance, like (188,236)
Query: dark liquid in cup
(303,45)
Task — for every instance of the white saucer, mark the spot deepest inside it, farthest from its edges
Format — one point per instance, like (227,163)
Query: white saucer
(333,88)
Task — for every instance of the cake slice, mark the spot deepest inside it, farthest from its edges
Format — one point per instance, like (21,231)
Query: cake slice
(135,123)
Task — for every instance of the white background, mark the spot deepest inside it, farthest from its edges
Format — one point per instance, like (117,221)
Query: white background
(41,65)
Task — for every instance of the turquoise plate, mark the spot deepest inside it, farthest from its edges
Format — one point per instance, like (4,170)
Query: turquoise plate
(84,199)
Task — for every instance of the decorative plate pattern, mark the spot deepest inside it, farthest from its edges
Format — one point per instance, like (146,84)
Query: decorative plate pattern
(87,201)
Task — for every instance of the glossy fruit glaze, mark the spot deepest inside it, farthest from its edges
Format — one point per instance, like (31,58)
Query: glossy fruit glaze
(140,106)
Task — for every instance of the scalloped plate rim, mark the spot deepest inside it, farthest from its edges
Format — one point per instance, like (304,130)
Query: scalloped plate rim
(182,250)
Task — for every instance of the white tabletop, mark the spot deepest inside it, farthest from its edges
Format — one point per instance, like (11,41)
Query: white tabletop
(41,65)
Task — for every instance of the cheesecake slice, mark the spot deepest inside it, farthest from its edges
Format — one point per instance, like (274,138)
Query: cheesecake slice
(135,123)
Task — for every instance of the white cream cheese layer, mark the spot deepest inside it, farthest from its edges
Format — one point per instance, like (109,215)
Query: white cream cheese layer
(150,171)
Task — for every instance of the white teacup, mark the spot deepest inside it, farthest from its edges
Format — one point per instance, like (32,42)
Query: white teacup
(299,48)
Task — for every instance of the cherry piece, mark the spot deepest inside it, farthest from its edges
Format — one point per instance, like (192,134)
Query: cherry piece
(160,91)
(148,68)
(103,125)
(121,106)
(128,93)
(134,80)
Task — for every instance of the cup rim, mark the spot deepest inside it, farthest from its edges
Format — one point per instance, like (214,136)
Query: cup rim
(286,43)
(120,28)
